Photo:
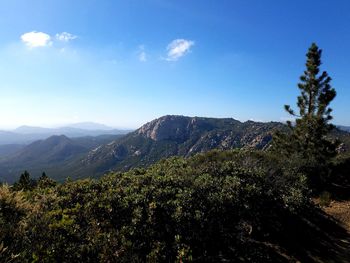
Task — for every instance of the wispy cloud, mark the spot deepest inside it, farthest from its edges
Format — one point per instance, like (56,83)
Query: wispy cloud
(36,39)
(142,54)
(178,48)
(65,37)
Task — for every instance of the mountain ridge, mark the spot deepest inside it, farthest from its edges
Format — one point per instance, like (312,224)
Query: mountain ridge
(167,136)
(172,135)
(28,134)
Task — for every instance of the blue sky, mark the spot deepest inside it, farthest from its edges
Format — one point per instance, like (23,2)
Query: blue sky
(126,62)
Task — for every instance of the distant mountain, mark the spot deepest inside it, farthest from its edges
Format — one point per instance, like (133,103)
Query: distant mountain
(28,134)
(69,131)
(55,148)
(9,137)
(90,126)
(344,128)
(176,135)
(52,155)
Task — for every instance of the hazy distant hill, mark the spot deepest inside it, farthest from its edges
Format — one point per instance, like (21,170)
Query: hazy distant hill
(344,128)
(9,137)
(28,134)
(53,149)
(51,155)
(90,126)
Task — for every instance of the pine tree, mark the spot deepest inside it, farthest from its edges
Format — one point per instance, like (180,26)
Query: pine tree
(45,181)
(43,176)
(24,182)
(307,138)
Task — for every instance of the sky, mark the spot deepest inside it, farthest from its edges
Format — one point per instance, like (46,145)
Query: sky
(126,62)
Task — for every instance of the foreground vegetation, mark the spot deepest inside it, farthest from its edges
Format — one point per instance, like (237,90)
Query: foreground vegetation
(219,206)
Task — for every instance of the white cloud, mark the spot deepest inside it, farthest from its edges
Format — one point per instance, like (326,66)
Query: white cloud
(142,54)
(65,37)
(178,48)
(36,39)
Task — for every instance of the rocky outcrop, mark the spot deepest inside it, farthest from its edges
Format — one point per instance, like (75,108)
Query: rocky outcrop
(167,128)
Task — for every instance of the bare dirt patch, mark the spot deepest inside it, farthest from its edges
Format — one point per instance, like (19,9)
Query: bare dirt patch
(340,210)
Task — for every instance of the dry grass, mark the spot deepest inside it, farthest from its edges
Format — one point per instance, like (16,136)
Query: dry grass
(340,210)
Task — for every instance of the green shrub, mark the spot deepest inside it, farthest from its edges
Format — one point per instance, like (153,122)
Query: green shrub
(325,198)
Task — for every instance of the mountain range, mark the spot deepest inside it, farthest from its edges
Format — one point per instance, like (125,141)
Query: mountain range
(80,157)
(29,134)
(60,156)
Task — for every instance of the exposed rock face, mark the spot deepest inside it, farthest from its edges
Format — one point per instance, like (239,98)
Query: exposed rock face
(179,135)
(167,128)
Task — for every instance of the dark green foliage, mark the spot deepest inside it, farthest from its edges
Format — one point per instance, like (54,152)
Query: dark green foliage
(237,206)
(221,206)
(325,198)
(44,181)
(307,144)
(25,182)
(14,209)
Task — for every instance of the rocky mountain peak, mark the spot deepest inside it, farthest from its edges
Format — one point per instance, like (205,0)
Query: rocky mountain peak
(169,127)
(180,128)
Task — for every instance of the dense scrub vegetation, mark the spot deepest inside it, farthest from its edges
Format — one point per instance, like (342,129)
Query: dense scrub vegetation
(209,208)
(219,206)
